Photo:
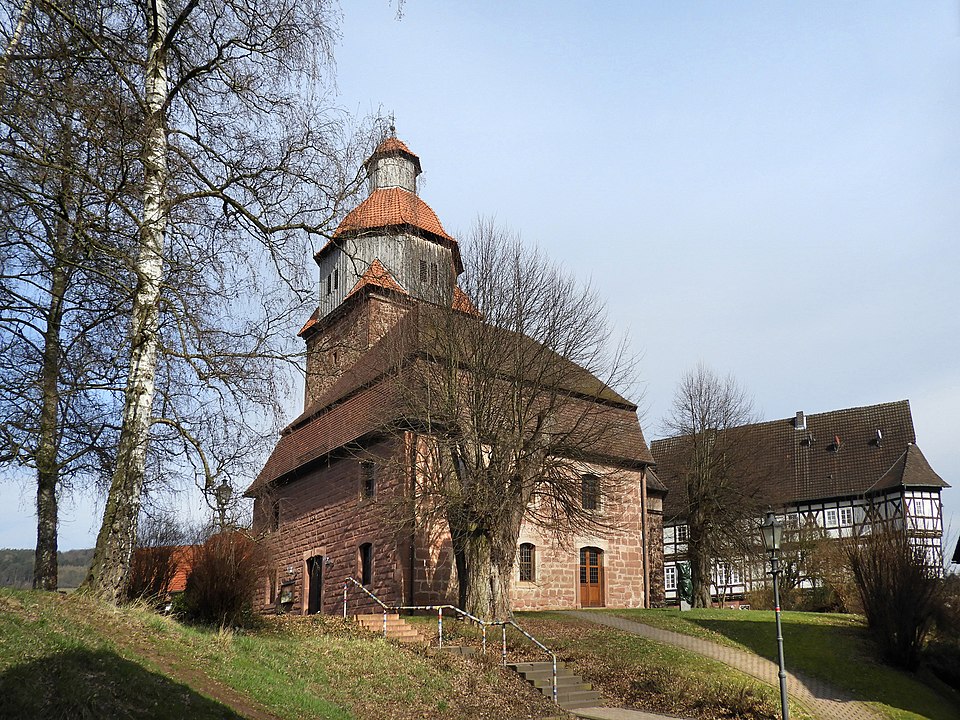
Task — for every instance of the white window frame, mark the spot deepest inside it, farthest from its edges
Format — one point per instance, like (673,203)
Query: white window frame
(830,517)
(682,533)
(846,516)
(670,578)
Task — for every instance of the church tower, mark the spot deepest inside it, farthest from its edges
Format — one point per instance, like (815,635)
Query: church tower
(388,253)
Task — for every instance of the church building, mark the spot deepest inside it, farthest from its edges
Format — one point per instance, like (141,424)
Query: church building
(328,501)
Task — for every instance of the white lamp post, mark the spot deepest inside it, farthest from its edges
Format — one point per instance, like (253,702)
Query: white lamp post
(771,530)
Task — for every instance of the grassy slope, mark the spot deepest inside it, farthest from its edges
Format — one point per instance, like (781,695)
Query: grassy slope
(634,672)
(71,657)
(832,647)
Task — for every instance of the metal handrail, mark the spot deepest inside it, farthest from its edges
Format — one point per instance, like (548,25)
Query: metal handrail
(463,613)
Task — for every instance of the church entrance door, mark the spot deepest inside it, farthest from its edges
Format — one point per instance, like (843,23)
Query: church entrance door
(591,577)
(314,585)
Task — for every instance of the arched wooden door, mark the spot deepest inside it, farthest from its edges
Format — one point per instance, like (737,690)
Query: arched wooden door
(591,577)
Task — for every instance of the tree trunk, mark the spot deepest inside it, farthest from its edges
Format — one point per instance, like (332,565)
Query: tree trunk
(485,580)
(48,470)
(48,445)
(699,563)
(118,533)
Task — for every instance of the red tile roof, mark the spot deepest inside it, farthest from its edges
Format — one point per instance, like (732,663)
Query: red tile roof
(463,303)
(392,146)
(311,321)
(378,276)
(183,560)
(391,207)
(787,465)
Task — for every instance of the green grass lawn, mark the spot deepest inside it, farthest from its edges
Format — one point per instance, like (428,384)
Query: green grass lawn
(832,647)
(72,657)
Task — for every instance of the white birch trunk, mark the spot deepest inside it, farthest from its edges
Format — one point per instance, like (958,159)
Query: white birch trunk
(118,533)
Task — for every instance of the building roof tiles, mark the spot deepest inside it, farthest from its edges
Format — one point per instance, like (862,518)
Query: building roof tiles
(377,275)
(366,400)
(391,207)
(843,453)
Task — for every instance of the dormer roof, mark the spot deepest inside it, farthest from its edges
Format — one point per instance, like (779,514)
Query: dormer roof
(377,275)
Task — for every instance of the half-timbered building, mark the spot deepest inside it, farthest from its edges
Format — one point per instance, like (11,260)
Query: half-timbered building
(830,475)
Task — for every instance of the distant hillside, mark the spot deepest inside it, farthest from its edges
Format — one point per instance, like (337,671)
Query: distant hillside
(16,567)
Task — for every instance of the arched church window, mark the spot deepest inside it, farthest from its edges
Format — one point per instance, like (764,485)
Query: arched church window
(528,562)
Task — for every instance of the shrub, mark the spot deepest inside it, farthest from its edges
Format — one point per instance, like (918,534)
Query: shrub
(223,579)
(901,593)
(153,564)
(151,570)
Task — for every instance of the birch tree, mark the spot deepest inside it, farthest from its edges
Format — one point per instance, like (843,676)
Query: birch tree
(241,158)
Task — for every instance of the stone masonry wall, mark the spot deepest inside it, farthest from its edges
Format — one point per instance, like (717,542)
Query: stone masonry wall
(337,346)
(324,514)
(557,572)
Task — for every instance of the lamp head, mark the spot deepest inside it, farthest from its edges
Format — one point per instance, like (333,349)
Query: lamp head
(771,530)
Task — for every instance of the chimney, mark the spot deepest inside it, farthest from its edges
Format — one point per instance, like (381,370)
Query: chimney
(801,422)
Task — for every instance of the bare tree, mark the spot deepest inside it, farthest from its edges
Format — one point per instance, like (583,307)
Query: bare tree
(240,158)
(62,185)
(901,591)
(516,406)
(716,469)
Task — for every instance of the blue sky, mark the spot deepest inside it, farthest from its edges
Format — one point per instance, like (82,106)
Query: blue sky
(771,188)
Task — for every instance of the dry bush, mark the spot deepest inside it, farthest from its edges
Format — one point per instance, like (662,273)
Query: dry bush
(154,564)
(151,570)
(900,592)
(225,575)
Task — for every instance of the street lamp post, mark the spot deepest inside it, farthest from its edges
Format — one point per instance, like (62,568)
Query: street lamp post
(222,494)
(772,533)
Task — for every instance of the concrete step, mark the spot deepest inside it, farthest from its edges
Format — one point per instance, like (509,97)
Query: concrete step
(573,682)
(525,667)
(571,705)
(397,628)
(378,616)
(572,691)
(464,650)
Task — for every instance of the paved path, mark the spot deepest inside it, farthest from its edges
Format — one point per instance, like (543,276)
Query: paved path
(825,702)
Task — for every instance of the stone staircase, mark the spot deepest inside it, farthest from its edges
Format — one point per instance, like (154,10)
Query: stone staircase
(397,627)
(572,691)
